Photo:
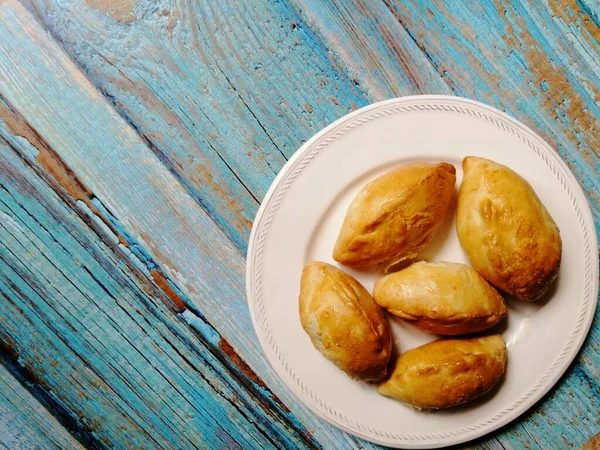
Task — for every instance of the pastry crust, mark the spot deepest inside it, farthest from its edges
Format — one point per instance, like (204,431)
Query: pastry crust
(446,372)
(395,215)
(442,297)
(505,230)
(344,322)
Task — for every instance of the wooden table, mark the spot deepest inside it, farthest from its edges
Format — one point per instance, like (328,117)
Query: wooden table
(137,139)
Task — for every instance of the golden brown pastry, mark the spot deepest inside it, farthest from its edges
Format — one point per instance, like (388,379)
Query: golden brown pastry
(395,215)
(506,232)
(344,322)
(446,372)
(442,297)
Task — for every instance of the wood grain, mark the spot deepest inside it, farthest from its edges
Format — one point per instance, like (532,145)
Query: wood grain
(369,43)
(101,340)
(137,195)
(221,93)
(536,60)
(25,423)
(207,83)
(372,48)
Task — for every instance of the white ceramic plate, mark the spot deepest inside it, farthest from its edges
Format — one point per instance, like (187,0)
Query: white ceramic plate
(302,214)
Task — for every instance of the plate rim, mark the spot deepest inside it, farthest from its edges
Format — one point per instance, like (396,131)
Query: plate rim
(565,357)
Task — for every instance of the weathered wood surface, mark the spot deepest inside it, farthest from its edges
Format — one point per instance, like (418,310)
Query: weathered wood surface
(133,203)
(27,424)
(106,343)
(204,257)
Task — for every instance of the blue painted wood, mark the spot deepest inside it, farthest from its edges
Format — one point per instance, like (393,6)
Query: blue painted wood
(142,197)
(258,78)
(536,60)
(370,48)
(370,44)
(102,342)
(25,424)
(208,77)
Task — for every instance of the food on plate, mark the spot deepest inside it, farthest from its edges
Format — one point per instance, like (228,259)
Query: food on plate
(344,322)
(441,297)
(505,230)
(395,215)
(446,372)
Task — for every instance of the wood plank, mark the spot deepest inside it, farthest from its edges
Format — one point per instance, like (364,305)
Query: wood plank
(370,50)
(369,43)
(139,197)
(101,340)
(25,423)
(498,95)
(204,83)
(373,47)
(536,60)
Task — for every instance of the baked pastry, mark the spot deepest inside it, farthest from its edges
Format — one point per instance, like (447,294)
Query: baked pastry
(505,230)
(395,215)
(442,297)
(344,322)
(446,372)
